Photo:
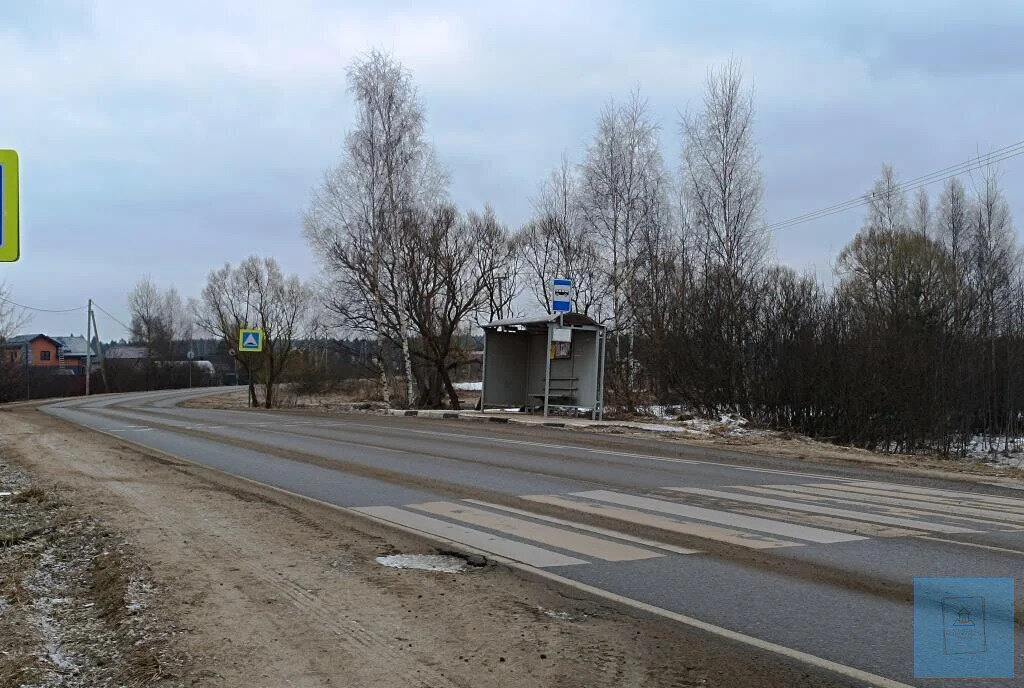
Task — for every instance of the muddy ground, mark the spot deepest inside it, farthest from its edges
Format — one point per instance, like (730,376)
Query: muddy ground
(122,568)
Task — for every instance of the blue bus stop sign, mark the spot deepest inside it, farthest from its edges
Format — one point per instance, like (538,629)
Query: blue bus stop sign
(561,295)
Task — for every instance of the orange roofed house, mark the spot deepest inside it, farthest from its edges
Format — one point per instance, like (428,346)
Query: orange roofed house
(42,351)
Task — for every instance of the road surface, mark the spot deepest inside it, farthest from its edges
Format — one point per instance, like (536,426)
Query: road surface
(814,562)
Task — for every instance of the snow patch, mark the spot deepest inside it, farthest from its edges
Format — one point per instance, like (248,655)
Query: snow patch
(468,386)
(561,616)
(444,563)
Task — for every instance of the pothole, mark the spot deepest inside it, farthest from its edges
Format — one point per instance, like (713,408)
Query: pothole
(444,563)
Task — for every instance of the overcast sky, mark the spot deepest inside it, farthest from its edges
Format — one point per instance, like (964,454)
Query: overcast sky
(168,138)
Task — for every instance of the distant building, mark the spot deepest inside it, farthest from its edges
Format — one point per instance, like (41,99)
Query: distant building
(73,349)
(123,352)
(42,351)
(36,350)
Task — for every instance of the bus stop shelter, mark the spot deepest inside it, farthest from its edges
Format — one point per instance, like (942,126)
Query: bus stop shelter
(544,363)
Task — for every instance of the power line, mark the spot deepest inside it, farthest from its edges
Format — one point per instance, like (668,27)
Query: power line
(41,310)
(998,155)
(107,313)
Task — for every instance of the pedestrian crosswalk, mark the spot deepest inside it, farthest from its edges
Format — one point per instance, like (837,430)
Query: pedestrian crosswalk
(765,516)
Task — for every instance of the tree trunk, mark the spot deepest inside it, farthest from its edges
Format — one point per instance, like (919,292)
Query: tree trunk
(385,384)
(410,384)
(446,379)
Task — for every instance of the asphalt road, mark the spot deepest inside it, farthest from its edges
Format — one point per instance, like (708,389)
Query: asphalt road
(819,562)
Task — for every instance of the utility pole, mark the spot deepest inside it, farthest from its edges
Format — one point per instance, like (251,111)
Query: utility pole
(88,347)
(99,351)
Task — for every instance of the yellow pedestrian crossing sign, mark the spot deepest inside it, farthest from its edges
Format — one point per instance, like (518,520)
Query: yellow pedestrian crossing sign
(9,250)
(250,340)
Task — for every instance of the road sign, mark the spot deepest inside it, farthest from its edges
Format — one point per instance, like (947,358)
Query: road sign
(561,295)
(250,340)
(190,355)
(9,247)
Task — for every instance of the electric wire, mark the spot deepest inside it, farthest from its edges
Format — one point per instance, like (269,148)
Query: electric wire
(41,310)
(970,165)
(112,317)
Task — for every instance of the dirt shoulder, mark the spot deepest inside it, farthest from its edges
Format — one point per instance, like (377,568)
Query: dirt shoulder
(229,584)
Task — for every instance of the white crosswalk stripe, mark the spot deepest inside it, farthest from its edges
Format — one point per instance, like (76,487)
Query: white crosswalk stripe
(727,518)
(487,542)
(987,516)
(587,545)
(590,529)
(753,516)
(829,511)
(1003,505)
(636,517)
(970,496)
(798,492)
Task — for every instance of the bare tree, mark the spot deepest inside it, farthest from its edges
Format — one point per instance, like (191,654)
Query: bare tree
(11,316)
(952,221)
(887,204)
(449,281)
(922,220)
(557,242)
(498,259)
(620,186)
(256,294)
(721,181)
(722,175)
(354,223)
(995,261)
(159,319)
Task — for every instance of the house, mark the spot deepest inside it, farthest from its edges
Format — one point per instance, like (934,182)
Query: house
(73,349)
(36,350)
(42,351)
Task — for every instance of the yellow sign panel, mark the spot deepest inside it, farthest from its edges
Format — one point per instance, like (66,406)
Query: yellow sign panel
(250,340)
(9,249)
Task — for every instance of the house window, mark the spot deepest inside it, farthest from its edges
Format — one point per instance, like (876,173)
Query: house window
(44,355)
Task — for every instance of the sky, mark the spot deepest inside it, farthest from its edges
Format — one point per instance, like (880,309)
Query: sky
(165,139)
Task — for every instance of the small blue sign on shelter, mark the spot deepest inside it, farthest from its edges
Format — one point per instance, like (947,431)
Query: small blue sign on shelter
(561,295)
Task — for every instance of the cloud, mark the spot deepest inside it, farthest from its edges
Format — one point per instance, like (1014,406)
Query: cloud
(169,138)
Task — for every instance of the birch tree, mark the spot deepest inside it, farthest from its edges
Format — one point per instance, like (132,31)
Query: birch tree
(721,182)
(722,176)
(887,204)
(620,180)
(557,242)
(995,263)
(922,218)
(354,224)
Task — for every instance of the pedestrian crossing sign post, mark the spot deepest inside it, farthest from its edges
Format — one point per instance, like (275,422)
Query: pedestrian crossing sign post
(9,246)
(250,341)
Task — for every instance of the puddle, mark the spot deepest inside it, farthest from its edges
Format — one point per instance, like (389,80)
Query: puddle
(424,562)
